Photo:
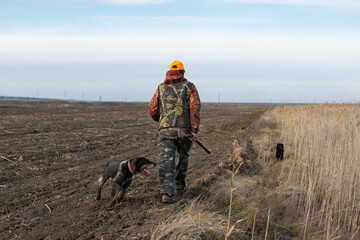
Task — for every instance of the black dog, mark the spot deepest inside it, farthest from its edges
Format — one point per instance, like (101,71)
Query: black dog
(121,173)
(280,151)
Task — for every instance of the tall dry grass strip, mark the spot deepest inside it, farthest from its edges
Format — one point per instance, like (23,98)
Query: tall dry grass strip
(322,167)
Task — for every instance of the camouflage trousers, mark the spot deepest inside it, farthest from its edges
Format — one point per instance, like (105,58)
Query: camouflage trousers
(172,176)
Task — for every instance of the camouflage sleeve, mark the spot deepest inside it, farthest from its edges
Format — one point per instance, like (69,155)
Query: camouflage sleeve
(154,106)
(194,109)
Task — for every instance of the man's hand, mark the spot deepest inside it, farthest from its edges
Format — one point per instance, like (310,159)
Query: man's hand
(194,137)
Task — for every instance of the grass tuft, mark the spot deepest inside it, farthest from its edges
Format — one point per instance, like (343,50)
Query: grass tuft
(193,222)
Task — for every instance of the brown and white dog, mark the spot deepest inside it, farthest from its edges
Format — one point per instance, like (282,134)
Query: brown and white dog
(121,173)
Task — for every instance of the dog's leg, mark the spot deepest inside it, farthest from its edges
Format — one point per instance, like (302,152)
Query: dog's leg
(117,192)
(101,182)
(121,195)
(120,192)
(113,190)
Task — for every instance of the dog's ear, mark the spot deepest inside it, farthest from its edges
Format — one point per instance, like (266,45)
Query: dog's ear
(133,164)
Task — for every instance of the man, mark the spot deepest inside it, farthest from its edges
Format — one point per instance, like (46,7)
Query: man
(175,105)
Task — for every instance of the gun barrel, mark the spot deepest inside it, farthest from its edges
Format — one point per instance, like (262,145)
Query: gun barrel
(203,147)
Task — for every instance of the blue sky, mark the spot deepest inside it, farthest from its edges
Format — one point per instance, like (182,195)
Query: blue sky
(246,51)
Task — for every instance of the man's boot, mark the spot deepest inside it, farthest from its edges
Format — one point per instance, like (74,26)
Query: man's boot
(167,199)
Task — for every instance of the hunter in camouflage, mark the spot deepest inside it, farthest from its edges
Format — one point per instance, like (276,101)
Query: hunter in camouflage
(175,104)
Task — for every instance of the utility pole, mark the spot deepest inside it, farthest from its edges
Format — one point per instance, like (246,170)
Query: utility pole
(100,98)
(219,97)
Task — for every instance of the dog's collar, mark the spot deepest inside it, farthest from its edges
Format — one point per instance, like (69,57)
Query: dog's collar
(132,172)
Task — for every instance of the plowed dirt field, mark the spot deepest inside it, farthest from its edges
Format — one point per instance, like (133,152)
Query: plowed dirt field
(52,153)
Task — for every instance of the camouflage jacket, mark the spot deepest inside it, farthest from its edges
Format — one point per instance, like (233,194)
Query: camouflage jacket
(176,103)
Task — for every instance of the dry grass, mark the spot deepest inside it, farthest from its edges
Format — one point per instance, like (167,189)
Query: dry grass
(194,222)
(237,162)
(321,170)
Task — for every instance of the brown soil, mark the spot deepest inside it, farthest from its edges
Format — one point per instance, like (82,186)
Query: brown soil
(52,153)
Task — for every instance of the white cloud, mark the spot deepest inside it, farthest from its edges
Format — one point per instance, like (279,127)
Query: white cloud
(127,2)
(323,3)
(181,18)
(201,47)
(216,61)
(106,2)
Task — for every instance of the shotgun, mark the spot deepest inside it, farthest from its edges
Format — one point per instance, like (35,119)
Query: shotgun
(182,134)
